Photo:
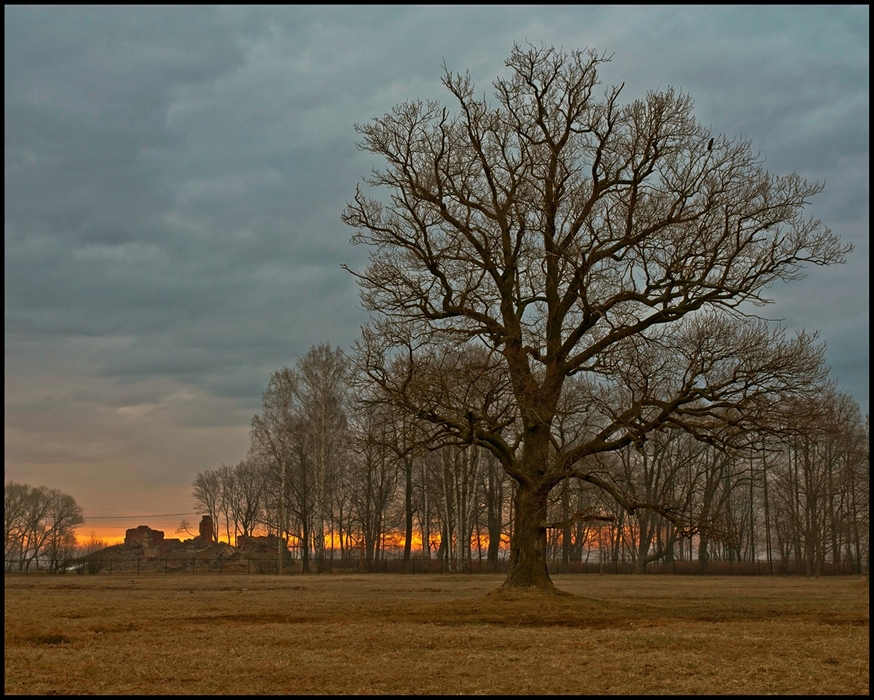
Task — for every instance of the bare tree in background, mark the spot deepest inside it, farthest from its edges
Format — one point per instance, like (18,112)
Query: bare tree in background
(39,526)
(273,440)
(301,436)
(227,486)
(207,495)
(815,484)
(654,473)
(321,398)
(373,478)
(493,485)
(15,517)
(64,516)
(248,496)
(185,528)
(90,555)
(457,474)
(404,438)
(561,233)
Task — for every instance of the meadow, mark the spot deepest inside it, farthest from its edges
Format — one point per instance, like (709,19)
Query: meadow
(434,634)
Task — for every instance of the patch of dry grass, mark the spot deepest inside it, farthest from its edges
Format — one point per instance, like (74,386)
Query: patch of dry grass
(396,634)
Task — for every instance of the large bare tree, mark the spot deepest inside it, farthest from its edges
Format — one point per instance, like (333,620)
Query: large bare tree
(558,232)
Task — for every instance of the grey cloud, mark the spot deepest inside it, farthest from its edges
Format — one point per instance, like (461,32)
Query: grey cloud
(175,178)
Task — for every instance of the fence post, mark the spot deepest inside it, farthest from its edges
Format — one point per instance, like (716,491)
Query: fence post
(138,566)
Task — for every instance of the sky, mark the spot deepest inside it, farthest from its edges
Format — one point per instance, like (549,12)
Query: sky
(175,176)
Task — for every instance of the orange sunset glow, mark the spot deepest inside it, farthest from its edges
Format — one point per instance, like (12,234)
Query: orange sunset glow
(112,532)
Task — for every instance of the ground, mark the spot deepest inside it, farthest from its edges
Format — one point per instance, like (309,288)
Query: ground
(427,634)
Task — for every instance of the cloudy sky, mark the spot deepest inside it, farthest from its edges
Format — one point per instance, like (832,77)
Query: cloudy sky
(175,178)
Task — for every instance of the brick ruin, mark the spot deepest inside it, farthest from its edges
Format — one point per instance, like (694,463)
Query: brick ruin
(152,541)
(151,544)
(206,529)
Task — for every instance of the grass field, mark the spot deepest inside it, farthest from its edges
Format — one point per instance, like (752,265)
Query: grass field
(424,634)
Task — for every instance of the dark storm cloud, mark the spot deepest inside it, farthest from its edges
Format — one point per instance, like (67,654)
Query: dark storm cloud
(175,178)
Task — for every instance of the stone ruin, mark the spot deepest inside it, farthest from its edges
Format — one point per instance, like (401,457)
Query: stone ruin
(206,529)
(143,536)
(149,547)
(151,541)
(153,544)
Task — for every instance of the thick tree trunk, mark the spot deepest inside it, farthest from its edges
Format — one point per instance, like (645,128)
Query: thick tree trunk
(640,565)
(528,547)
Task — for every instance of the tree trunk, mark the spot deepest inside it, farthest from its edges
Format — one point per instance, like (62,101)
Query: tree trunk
(305,549)
(528,552)
(703,553)
(369,550)
(408,510)
(566,532)
(494,509)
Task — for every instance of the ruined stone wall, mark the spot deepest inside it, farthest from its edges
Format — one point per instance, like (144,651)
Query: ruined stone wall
(152,541)
(206,528)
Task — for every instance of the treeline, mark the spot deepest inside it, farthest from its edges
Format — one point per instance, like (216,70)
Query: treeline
(340,475)
(797,499)
(39,527)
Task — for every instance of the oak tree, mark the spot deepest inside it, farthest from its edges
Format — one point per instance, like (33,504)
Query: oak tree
(559,233)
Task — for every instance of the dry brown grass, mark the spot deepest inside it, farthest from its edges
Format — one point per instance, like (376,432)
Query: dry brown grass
(395,634)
